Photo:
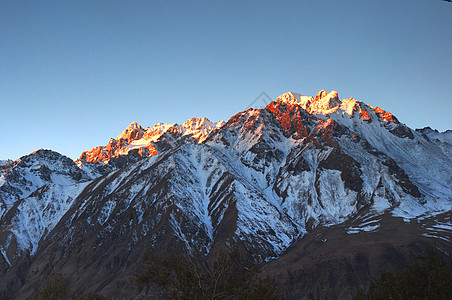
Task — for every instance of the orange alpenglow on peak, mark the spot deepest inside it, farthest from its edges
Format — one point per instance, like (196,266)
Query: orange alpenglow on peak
(327,103)
(320,95)
(385,115)
(133,132)
(145,140)
(322,103)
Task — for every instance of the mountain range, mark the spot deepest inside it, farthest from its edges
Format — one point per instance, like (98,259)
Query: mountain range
(323,192)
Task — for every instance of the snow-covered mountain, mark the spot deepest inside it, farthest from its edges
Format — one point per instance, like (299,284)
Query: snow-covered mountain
(22,177)
(265,180)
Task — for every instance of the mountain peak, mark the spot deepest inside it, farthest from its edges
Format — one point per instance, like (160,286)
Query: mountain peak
(320,95)
(195,123)
(291,97)
(322,103)
(133,132)
(134,125)
(199,128)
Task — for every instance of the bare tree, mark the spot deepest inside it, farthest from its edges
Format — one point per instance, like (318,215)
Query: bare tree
(227,276)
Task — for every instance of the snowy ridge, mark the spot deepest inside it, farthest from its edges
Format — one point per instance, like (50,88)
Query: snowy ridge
(435,135)
(145,140)
(20,178)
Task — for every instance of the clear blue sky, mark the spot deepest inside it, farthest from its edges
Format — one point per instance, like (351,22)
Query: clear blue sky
(75,73)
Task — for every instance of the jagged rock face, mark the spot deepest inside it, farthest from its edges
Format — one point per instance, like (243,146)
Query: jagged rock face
(265,180)
(121,146)
(292,118)
(136,142)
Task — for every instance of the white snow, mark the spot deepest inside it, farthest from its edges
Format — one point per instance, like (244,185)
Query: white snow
(106,211)
(380,204)
(443,226)
(2,180)
(368,228)
(436,236)
(39,214)
(5,256)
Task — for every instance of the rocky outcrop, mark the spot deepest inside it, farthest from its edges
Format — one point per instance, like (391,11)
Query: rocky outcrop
(146,141)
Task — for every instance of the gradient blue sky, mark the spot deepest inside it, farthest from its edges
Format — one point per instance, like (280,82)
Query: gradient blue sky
(75,73)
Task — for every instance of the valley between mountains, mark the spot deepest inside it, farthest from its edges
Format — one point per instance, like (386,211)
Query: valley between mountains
(324,193)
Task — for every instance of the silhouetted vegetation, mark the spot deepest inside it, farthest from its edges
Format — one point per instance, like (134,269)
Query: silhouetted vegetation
(430,278)
(57,287)
(227,276)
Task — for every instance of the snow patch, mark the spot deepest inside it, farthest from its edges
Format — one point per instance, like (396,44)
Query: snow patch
(368,228)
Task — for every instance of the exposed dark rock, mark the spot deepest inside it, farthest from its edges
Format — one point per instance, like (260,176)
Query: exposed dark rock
(402,132)
(350,169)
